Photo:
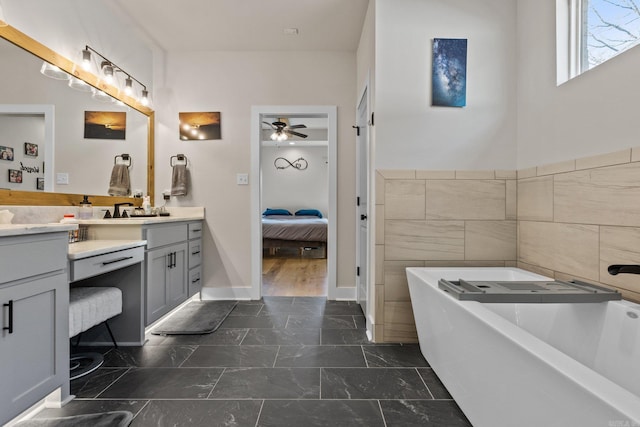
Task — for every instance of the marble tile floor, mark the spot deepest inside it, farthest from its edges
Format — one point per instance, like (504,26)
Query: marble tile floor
(281,361)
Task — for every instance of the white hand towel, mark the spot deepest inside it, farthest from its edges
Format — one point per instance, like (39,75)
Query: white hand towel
(179,180)
(119,184)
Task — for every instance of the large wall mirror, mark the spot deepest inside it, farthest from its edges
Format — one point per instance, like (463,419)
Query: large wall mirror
(47,131)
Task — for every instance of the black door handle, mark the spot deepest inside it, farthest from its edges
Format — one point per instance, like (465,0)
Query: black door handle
(363,217)
(10,327)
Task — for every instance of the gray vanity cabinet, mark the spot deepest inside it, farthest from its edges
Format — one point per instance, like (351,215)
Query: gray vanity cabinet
(34,341)
(195,258)
(171,262)
(166,269)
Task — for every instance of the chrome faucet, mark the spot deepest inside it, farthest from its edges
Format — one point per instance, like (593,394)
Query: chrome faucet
(624,268)
(116,210)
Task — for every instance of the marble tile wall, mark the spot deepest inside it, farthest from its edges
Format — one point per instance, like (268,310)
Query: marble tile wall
(575,218)
(437,218)
(565,220)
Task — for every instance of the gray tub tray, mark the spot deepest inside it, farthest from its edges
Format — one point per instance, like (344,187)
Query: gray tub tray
(554,291)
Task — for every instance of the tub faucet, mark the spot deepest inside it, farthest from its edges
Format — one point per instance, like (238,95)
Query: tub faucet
(116,210)
(624,268)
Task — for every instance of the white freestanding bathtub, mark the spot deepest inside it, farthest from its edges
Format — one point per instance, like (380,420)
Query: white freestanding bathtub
(536,364)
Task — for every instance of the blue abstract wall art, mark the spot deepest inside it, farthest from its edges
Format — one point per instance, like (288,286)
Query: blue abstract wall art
(449,73)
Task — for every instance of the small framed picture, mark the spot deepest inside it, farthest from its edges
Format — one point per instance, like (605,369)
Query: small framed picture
(40,183)
(15,176)
(6,153)
(30,149)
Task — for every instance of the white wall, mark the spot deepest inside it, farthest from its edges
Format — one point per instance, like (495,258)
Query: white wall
(410,133)
(232,82)
(291,188)
(594,113)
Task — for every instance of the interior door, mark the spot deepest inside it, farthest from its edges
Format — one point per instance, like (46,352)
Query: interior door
(362,191)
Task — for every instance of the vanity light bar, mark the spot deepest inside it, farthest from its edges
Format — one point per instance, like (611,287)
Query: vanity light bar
(109,69)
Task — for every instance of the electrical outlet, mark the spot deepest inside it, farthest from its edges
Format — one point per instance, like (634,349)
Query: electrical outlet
(242,179)
(62,178)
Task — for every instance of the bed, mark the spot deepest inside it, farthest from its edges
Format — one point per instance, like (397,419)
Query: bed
(295,231)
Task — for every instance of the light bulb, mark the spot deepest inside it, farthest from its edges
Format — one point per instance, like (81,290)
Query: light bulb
(145,97)
(108,73)
(128,86)
(86,59)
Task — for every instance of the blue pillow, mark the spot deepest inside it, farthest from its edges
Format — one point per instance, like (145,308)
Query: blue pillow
(270,211)
(309,212)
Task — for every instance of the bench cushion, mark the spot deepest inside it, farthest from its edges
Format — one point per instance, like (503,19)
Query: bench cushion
(90,306)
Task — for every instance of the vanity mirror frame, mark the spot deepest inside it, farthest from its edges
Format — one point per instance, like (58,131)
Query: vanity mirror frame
(13,197)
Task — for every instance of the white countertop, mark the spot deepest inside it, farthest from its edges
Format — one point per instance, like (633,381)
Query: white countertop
(141,220)
(87,248)
(21,229)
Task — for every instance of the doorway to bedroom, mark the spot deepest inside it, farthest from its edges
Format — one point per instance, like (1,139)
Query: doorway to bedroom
(295,208)
(295,205)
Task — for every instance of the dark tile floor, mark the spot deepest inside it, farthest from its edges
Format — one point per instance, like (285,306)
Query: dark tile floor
(282,361)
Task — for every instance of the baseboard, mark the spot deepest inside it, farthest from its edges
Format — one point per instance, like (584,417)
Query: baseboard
(226,293)
(342,294)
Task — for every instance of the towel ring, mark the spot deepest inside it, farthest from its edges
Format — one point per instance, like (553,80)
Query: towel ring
(125,158)
(179,158)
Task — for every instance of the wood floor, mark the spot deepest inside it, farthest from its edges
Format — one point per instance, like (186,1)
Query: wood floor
(294,276)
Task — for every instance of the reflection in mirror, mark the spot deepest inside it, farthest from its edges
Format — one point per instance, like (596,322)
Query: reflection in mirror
(85,163)
(26,135)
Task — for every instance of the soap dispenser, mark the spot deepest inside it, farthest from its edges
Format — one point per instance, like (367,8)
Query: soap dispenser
(86,210)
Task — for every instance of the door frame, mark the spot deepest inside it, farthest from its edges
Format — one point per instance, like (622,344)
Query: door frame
(257,112)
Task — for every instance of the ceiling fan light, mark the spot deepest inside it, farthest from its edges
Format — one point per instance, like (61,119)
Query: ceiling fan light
(274,136)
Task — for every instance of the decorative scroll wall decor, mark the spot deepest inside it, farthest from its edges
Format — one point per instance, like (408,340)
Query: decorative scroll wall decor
(282,163)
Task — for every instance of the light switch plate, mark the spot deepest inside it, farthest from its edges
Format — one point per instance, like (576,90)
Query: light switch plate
(62,178)
(242,179)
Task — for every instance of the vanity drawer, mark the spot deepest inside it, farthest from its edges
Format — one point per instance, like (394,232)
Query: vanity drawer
(95,265)
(195,230)
(165,235)
(38,254)
(195,253)
(195,281)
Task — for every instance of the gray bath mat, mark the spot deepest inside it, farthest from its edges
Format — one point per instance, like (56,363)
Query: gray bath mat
(197,317)
(105,419)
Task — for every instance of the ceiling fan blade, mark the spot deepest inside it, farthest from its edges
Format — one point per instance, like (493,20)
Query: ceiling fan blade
(301,135)
(267,123)
(300,126)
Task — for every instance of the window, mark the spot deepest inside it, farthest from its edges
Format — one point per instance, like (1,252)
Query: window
(590,32)
(609,27)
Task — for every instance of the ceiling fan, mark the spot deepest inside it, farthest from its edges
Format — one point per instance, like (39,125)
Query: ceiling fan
(282,129)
